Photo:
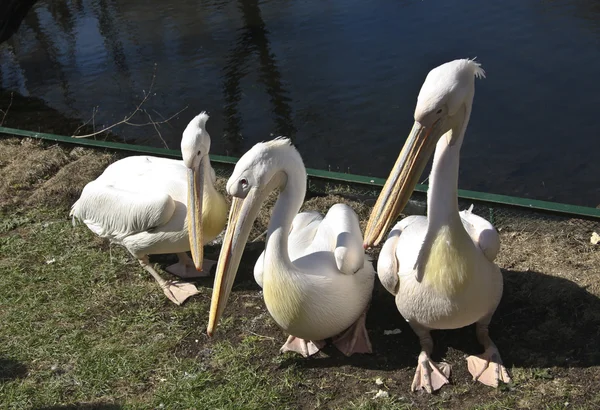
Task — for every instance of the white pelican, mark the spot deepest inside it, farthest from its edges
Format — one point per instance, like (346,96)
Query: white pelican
(140,202)
(316,279)
(442,274)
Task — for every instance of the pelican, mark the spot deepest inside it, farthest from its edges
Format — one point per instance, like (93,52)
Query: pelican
(140,202)
(316,279)
(439,267)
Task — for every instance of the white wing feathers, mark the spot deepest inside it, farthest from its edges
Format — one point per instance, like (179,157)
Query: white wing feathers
(116,213)
(388,264)
(341,229)
(337,232)
(303,230)
(482,232)
(302,233)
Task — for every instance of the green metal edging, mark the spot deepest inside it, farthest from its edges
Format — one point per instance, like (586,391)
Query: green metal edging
(532,204)
(119,146)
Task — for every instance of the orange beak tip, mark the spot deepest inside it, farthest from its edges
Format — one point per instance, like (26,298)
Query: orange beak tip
(209,333)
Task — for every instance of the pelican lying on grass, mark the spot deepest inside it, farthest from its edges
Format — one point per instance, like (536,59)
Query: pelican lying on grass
(140,202)
(316,278)
(442,274)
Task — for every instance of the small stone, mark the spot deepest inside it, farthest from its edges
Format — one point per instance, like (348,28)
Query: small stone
(595,239)
(379,381)
(49,261)
(381,394)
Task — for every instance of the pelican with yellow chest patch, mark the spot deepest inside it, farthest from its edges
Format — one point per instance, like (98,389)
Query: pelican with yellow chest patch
(154,205)
(316,278)
(439,267)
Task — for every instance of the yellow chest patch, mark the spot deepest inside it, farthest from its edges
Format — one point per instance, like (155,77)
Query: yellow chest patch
(214,214)
(450,263)
(283,296)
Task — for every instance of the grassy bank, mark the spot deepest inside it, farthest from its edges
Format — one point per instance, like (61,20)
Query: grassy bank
(83,326)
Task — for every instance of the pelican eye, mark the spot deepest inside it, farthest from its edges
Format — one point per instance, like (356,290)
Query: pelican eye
(439,111)
(244,182)
(199,152)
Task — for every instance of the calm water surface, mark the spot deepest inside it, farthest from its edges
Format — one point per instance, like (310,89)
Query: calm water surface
(339,77)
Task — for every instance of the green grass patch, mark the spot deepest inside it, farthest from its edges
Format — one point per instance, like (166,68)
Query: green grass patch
(82,325)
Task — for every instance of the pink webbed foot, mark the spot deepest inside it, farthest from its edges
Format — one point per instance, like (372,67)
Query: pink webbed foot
(178,292)
(298,345)
(186,269)
(355,339)
(430,376)
(487,368)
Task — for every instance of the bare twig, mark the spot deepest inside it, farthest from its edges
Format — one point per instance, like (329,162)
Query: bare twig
(167,119)
(127,119)
(92,118)
(154,124)
(5,112)
(261,336)
(258,237)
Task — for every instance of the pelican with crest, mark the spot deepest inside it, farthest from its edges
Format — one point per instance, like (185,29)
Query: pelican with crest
(439,267)
(316,278)
(154,205)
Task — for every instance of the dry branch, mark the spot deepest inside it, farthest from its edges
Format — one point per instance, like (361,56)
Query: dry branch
(127,119)
(5,112)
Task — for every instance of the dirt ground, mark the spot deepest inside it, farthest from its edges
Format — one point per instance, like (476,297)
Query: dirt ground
(547,326)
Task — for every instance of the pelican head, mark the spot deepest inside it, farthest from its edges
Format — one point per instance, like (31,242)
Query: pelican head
(443,108)
(258,172)
(195,146)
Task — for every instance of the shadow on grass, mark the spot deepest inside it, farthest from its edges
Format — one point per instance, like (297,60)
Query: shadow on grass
(245,278)
(11,369)
(542,321)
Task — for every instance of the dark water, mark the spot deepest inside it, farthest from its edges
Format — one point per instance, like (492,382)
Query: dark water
(339,77)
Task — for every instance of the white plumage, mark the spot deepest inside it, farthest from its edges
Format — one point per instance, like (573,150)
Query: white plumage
(140,202)
(316,278)
(440,267)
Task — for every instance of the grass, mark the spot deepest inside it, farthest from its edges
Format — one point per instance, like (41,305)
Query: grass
(83,326)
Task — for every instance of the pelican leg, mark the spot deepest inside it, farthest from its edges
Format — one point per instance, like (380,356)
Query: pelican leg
(185,268)
(177,292)
(305,348)
(355,339)
(487,368)
(430,376)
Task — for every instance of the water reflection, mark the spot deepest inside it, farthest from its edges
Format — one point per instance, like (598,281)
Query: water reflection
(253,39)
(108,31)
(353,68)
(13,13)
(57,44)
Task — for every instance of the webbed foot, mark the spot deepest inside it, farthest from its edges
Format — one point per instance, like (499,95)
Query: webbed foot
(178,292)
(185,268)
(487,368)
(355,339)
(185,271)
(430,376)
(298,345)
